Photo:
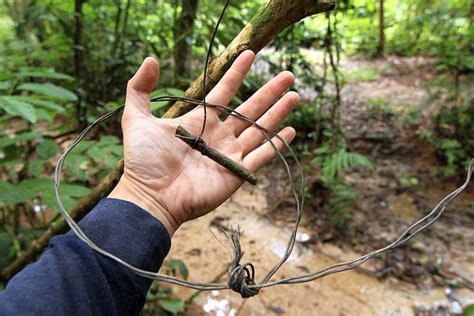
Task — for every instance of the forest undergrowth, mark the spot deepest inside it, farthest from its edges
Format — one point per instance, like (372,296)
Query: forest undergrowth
(387,117)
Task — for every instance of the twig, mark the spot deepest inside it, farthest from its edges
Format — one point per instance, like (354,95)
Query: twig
(197,143)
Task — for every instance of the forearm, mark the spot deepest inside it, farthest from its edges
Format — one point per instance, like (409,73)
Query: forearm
(72,278)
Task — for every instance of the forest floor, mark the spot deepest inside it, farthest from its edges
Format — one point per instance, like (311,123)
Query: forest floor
(382,116)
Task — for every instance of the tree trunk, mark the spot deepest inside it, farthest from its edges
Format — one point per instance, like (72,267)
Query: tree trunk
(270,20)
(381,43)
(78,63)
(124,29)
(183,32)
(118,17)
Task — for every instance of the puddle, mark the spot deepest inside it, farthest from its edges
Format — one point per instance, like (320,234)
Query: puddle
(278,247)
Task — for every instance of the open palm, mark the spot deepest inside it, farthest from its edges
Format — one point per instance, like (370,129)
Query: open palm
(175,183)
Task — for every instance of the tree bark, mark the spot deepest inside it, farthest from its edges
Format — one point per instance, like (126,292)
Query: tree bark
(381,42)
(182,33)
(118,17)
(78,63)
(270,20)
(124,29)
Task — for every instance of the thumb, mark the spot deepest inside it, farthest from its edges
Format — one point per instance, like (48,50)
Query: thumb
(141,85)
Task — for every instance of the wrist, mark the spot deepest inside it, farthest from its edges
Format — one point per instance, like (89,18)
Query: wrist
(130,191)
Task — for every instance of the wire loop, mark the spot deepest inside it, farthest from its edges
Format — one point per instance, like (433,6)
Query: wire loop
(242,277)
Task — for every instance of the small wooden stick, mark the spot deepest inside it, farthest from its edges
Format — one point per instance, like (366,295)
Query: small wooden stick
(198,144)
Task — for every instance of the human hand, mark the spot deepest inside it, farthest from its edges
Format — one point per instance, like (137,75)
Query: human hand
(169,179)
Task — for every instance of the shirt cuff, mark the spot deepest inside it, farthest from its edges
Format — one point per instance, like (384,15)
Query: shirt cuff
(128,232)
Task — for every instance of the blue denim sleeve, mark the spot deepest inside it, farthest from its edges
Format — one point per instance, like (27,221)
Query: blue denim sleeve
(72,279)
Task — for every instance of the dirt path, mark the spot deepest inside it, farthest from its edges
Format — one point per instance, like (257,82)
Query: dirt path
(349,293)
(385,119)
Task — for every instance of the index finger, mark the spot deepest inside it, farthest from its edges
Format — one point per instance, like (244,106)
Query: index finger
(227,87)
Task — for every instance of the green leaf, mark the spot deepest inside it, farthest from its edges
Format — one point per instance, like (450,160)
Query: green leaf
(108,156)
(172,304)
(77,165)
(106,151)
(74,190)
(45,188)
(162,92)
(155,106)
(100,152)
(43,73)
(49,90)
(7,140)
(236,100)
(47,149)
(361,160)
(321,150)
(42,103)
(468,310)
(177,265)
(11,194)
(83,146)
(5,189)
(11,163)
(108,140)
(5,85)
(6,243)
(44,115)
(35,167)
(16,107)
(167,91)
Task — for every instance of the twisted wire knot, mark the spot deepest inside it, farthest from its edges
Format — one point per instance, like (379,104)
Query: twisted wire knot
(241,277)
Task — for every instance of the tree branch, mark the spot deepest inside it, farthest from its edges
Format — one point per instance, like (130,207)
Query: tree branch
(267,23)
(270,20)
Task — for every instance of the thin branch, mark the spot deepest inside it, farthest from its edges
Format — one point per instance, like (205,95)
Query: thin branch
(197,143)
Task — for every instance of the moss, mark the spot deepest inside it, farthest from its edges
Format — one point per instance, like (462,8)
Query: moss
(261,17)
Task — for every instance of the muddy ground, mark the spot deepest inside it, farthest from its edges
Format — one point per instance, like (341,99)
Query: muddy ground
(433,275)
